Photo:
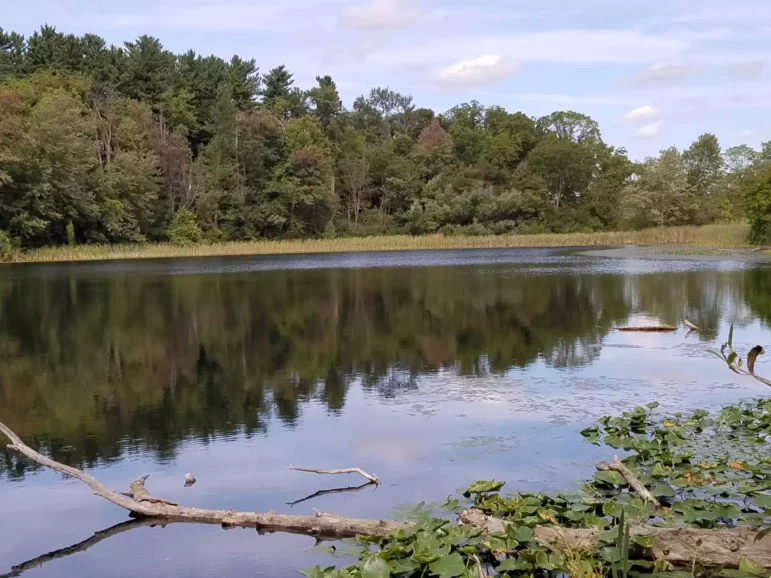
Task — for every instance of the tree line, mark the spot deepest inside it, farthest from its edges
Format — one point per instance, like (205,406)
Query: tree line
(108,144)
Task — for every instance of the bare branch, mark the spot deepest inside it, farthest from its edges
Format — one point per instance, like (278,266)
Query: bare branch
(634,483)
(371,477)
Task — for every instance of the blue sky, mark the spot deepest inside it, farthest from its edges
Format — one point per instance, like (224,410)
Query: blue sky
(654,74)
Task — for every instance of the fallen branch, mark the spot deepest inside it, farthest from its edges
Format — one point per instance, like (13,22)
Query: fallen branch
(650,328)
(371,477)
(678,546)
(141,503)
(634,483)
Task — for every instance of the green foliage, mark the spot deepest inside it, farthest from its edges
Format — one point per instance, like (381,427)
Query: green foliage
(118,140)
(6,247)
(184,229)
(758,207)
(70,233)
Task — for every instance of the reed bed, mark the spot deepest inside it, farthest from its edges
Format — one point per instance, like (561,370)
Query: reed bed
(713,236)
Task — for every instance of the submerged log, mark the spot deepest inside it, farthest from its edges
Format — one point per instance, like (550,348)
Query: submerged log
(649,328)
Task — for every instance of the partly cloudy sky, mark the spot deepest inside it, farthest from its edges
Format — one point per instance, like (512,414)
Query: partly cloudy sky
(654,73)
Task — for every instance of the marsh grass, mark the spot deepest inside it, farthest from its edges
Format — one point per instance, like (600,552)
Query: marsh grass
(713,236)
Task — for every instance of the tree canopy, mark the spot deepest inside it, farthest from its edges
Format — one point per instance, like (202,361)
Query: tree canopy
(108,144)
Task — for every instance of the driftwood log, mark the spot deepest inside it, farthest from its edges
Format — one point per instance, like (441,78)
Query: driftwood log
(678,546)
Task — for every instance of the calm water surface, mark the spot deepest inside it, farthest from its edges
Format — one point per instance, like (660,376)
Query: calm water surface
(431,369)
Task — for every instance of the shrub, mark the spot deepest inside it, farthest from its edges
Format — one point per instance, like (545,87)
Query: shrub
(70,233)
(758,208)
(184,229)
(329,231)
(6,246)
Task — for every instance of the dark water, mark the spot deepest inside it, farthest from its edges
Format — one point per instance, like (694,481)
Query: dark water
(431,369)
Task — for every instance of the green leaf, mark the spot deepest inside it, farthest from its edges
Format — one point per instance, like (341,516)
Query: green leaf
(762,534)
(762,501)
(731,337)
(375,567)
(404,566)
(726,510)
(315,571)
(644,541)
(514,565)
(596,521)
(610,478)
(524,534)
(662,490)
(483,487)
(448,566)
(653,405)
(751,567)
(427,548)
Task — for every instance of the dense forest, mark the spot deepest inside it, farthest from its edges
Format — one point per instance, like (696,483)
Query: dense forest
(106,144)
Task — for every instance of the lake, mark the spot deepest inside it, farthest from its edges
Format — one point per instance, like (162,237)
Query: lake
(430,369)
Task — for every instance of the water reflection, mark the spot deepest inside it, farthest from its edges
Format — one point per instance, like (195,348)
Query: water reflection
(98,366)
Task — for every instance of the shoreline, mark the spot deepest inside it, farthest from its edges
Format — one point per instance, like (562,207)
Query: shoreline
(677,252)
(616,243)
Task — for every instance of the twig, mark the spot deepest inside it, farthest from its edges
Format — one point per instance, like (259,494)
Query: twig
(618,466)
(478,563)
(691,326)
(371,477)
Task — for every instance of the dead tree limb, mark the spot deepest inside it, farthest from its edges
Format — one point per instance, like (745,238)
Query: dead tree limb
(142,504)
(371,477)
(631,479)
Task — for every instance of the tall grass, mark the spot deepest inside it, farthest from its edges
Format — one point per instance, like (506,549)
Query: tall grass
(717,236)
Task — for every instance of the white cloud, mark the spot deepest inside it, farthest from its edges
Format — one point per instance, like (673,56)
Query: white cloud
(644,113)
(745,133)
(748,70)
(648,131)
(480,71)
(665,73)
(380,15)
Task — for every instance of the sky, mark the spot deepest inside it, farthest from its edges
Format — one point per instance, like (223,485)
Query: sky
(653,73)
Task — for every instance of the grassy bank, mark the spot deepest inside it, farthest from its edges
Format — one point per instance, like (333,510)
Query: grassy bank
(715,236)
